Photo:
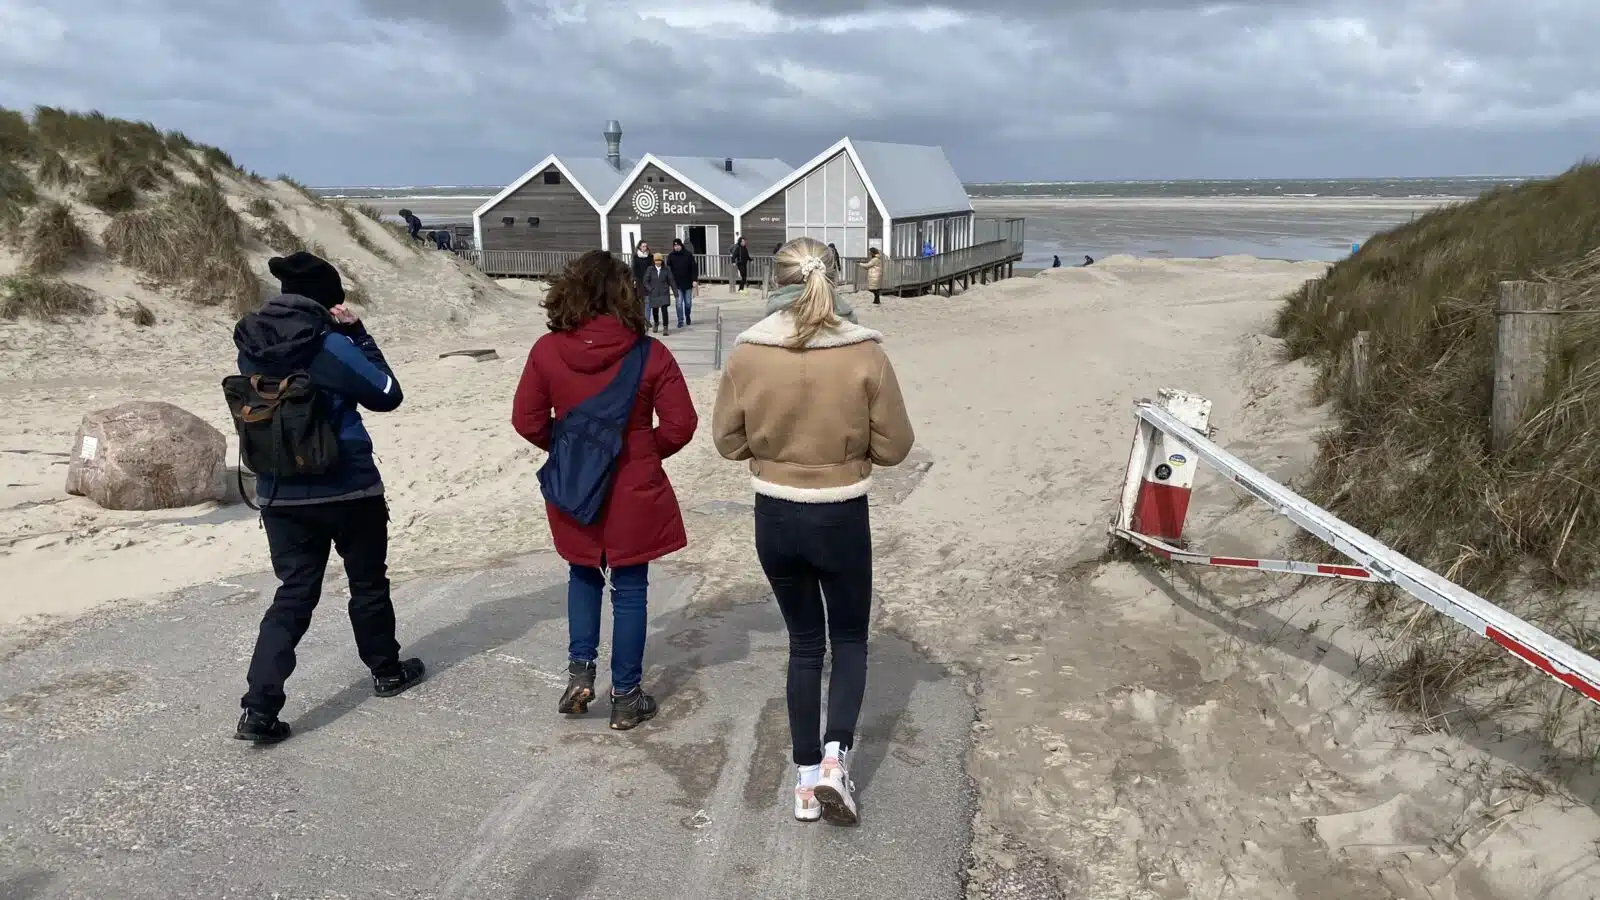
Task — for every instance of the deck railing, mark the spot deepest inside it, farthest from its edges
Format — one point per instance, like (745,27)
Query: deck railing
(549,263)
(931,270)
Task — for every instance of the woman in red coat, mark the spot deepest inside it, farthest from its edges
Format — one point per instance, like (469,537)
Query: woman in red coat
(595,319)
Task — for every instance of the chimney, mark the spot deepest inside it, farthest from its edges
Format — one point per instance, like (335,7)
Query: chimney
(614,144)
(727,164)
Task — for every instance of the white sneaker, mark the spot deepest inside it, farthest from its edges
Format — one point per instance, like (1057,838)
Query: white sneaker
(806,807)
(834,788)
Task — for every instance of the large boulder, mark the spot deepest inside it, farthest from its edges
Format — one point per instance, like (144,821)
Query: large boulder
(147,455)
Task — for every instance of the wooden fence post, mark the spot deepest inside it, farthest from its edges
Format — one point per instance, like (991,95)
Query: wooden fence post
(1526,325)
(1360,368)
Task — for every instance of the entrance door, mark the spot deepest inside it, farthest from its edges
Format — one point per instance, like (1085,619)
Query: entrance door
(706,241)
(631,236)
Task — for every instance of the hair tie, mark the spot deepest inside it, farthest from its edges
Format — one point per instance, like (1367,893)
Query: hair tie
(811,265)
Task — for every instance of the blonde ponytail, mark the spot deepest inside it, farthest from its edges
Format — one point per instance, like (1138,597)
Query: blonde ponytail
(804,261)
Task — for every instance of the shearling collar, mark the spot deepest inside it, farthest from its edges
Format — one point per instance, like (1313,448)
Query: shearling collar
(777,329)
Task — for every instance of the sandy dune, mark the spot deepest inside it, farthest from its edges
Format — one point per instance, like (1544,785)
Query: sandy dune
(1143,734)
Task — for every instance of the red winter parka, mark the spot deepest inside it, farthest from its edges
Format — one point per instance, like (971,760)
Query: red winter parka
(641,520)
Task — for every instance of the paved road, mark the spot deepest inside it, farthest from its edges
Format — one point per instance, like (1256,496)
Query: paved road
(118,776)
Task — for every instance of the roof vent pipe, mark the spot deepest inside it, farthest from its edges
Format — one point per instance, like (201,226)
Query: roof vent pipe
(727,164)
(613,136)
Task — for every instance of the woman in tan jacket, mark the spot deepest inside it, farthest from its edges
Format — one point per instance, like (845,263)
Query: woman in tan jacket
(810,399)
(874,266)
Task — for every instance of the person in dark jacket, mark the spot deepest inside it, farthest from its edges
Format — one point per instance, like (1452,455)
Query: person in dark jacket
(641,264)
(685,272)
(658,293)
(413,225)
(741,261)
(594,321)
(1055,261)
(308,328)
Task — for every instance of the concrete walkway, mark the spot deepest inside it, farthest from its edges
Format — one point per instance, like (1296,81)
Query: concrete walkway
(119,777)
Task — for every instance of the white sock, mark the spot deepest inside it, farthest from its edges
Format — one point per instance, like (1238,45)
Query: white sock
(808,776)
(832,749)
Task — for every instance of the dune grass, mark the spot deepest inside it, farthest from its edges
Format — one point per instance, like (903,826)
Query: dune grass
(1408,461)
(358,233)
(43,298)
(16,135)
(57,171)
(280,237)
(315,198)
(139,315)
(193,241)
(260,207)
(52,240)
(111,193)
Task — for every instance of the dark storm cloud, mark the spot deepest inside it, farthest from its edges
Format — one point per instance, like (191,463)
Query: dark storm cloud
(415,91)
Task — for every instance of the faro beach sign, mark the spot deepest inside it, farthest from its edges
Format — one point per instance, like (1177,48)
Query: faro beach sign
(647,203)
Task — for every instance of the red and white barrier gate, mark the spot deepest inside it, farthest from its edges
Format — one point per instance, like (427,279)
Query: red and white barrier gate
(1172,436)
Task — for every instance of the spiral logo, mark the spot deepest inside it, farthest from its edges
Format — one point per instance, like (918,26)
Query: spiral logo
(645,202)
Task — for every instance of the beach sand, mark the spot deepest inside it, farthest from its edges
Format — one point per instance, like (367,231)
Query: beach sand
(1143,733)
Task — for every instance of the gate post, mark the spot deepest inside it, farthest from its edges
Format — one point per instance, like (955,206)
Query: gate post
(1160,477)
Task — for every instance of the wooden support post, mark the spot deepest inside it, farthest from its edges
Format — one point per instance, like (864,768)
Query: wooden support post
(1526,327)
(1360,368)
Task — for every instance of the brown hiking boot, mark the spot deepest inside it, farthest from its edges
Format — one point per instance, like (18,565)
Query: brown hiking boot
(628,710)
(580,689)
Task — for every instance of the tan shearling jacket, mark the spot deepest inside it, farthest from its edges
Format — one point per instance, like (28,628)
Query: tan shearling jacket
(814,421)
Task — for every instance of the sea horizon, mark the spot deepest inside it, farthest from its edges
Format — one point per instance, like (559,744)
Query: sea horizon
(1270,218)
(1399,188)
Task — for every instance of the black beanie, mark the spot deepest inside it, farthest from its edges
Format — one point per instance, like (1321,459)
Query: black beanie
(309,276)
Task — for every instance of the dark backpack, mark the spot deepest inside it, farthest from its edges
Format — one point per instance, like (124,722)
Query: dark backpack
(585,443)
(285,425)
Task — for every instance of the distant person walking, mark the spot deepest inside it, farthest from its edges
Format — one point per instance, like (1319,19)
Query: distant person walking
(810,399)
(597,344)
(441,238)
(1055,262)
(658,294)
(308,335)
(413,225)
(874,268)
(927,247)
(741,262)
(834,265)
(641,264)
(685,272)
(1088,260)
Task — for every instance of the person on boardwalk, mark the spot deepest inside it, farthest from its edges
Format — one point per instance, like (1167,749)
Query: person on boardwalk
(308,331)
(641,265)
(874,268)
(810,399)
(834,266)
(741,261)
(658,294)
(685,271)
(595,324)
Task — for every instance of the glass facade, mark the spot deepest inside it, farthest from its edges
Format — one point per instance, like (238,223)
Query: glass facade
(830,205)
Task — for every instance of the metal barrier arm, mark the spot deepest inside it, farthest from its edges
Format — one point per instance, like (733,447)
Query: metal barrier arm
(1544,652)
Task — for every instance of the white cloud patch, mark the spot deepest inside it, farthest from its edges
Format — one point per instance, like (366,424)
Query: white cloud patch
(411,91)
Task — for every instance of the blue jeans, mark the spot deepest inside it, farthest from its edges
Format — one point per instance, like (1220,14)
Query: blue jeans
(629,586)
(685,305)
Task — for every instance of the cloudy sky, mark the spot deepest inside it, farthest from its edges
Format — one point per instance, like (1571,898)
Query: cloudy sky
(475,91)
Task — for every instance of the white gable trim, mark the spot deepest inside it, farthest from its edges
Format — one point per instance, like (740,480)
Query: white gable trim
(799,174)
(513,187)
(651,159)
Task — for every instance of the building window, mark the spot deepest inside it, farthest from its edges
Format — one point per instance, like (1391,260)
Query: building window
(508,221)
(552,177)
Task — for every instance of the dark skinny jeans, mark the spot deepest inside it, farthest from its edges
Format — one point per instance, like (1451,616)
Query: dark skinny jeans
(818,558)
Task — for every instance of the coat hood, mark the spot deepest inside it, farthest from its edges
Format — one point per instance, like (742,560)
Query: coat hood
(596,345)
(287,331)
(777,329)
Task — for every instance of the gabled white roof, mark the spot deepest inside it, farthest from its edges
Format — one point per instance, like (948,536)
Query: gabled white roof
(904,180)
(708,178)
(592,176)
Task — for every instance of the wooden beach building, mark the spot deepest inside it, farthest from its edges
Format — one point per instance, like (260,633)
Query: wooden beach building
(902,199)
(861,194)
(568,204)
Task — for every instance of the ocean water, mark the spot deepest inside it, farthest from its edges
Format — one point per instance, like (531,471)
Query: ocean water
(1299,219)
